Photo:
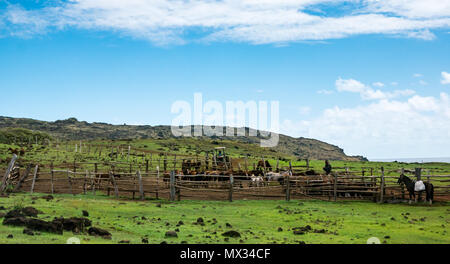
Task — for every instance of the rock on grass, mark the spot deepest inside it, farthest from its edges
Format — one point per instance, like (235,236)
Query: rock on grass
(28,231)
(171,234)
(231,233)
(34,224)
(95,231)
(74,224)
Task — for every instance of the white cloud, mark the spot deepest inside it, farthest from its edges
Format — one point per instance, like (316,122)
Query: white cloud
(422,82)
(304,110)
(445,78)
(417,127)
(366,92)
(326,92)
(417,75)
(412,8)
(252,21)
(378,84)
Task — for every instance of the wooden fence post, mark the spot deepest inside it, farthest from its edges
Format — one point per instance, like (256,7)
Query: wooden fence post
(93,183)
(151,161)
(165,162)
(214,161)
(95,176)
(113,180)
(52,178)
(128,155)
(335,186)
(157,181)
(382,185)
(403,185)
(172,186)
(175,163)
(27,172)
(70,181)
(246,165)
(363,174)
(85,182)
(230,193)
(8,171)
(288,183)
(141,186)
(34,178)
(135,184)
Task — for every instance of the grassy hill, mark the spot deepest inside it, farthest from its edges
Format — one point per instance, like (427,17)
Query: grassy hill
(72,129)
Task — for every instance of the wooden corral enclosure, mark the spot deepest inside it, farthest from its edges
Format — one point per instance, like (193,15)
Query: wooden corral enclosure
(150,180)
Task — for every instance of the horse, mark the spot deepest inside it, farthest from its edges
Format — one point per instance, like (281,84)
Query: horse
(410,184)
(264,165)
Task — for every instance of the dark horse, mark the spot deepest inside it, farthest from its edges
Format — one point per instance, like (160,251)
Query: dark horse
(429,188)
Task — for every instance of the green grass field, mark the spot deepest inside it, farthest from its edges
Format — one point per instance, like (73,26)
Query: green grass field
(256,221)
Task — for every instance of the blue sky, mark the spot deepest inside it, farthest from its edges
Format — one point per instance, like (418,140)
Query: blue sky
(373,80)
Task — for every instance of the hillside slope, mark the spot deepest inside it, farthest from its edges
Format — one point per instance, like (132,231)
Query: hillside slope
(72,129)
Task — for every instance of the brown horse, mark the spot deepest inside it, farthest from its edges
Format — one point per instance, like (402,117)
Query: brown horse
(264,165)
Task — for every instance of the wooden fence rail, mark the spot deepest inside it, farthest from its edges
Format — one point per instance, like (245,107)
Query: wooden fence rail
(173,186)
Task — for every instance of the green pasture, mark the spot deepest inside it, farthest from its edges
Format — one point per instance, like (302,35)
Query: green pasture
(265,221)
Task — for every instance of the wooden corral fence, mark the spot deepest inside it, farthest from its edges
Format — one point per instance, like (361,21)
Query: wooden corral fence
(124,180)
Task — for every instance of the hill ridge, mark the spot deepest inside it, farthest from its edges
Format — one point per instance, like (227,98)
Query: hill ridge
(72,129)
